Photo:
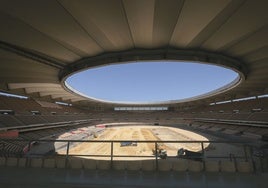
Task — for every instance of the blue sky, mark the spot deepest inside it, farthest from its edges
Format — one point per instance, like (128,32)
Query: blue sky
(150,81)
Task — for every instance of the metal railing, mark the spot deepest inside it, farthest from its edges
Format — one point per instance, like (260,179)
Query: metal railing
(246,151)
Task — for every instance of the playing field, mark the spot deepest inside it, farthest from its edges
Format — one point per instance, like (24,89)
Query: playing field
(143,133)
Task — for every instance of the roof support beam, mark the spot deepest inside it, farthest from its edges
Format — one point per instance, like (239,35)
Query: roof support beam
(41,58)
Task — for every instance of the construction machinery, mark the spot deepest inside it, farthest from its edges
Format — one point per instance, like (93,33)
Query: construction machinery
(160,152)
(128,143)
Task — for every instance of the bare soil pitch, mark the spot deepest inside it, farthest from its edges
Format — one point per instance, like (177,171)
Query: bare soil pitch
(140,133)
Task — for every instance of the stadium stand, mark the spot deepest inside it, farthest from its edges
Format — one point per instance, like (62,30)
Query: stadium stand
(146,165)
(43,43)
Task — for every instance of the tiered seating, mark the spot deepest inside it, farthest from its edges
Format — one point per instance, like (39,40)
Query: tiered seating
(12,148)
(241,110)
(31,119)
(9,121)
(178,165)
(23,119)
(245,118)
(20,106)
(258,116)
(23,112)
(16,147)
(245,131)
(238,116)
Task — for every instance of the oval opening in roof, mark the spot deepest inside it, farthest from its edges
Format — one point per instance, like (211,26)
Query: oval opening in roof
(152,82)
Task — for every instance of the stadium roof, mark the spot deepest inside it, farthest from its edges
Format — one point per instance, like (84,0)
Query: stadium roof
(42,42)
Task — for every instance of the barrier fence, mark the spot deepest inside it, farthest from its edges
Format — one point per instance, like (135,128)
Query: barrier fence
(43,148)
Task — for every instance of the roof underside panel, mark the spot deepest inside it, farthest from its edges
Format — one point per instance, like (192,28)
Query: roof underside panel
(104,21)
(39,39)
(140,15)
(15,68)
(247,20)
(21,34)
(194,18)
(63,28)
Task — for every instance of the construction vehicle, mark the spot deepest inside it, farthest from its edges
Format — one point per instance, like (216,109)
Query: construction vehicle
(160,152)
(187,154)
(128,143)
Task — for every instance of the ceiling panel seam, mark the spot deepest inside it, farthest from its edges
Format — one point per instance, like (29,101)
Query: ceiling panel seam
(256,50)
(80,25)
(44,34)
(178,16)
(129,29)
(223,23)
(214,24)
(30,55)
(241,39)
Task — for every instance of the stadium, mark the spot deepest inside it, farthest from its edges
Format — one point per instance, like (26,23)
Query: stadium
(52,135)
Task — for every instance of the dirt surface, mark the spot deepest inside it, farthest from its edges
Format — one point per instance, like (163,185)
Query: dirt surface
(139,133)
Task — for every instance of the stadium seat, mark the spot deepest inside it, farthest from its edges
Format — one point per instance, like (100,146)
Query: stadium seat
(2,161)
(90,164)
(119,165)
(148,165)
(195,166)
(36,162)
(49,163)
(180,165)
(227,166)
(164,165)
(243,166)
(75,163)
(22,162)
(133,165)
(60,163)
(212,166)
(11,161)
(104,165)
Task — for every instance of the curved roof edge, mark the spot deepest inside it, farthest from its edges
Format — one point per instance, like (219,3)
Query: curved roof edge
(134,55)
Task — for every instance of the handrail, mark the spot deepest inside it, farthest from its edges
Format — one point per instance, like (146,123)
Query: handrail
(245,155)
(138,141)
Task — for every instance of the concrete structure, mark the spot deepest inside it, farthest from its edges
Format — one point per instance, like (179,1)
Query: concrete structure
(37,52)
(44,42)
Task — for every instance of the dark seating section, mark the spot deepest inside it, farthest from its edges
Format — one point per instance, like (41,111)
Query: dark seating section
(247,110)
(18,146)
(30,111)
(247,118)
(146,166)
(31,119)
(19,113)
(250,110)
(243,118)
(9,120)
